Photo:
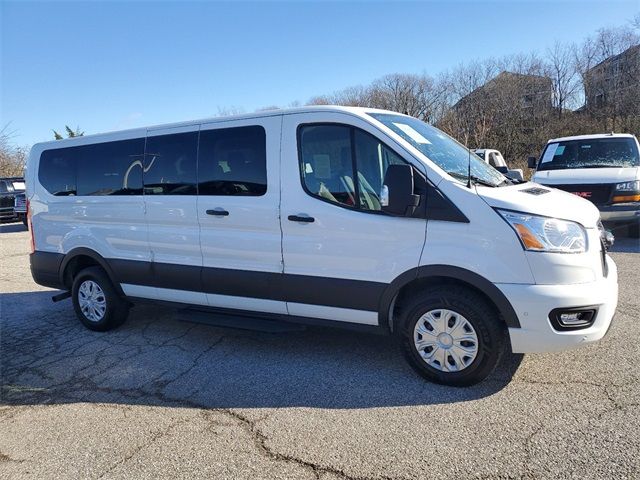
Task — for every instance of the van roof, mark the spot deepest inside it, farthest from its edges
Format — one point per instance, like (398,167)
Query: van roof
(591,137)
(358,111)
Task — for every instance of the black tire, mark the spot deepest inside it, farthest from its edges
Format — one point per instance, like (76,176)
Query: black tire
(116,310)
(25,222)
(490,331)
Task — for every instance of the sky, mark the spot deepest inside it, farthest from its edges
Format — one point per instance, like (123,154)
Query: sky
(107,66)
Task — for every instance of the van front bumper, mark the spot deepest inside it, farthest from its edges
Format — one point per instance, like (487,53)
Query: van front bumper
(624,212)
(533,304)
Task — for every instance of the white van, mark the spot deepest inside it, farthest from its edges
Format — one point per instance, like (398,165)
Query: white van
(603,168)
(322,215)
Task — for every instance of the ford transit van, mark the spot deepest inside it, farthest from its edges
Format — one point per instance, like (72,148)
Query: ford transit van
(326,215)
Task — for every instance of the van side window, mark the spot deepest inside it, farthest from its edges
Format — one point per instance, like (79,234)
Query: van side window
(327,166)
(232,162)
(344,165)
(170,164)
(57,171)
(110,168)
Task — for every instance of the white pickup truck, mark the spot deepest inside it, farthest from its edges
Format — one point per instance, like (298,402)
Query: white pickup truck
(496,160)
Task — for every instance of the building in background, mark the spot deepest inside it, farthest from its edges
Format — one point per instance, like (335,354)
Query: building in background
(530,93)
(612,87)
(509,112)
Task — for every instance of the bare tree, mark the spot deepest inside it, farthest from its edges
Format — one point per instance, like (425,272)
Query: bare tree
(611,87)
(565,79)
(358,96)
(606,43)
(228,111)
(12,158)
(417,95)
(516,103)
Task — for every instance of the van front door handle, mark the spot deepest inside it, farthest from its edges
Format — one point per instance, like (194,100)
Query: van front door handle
(218,213)
(298,218)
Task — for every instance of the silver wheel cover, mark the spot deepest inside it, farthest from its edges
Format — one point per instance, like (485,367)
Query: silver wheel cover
(445,340)
(92,301)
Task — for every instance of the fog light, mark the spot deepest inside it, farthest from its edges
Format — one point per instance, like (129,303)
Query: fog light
(574,318)
(571,319)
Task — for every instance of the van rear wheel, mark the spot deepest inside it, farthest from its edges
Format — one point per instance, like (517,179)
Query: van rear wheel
(96,302)
(452,335)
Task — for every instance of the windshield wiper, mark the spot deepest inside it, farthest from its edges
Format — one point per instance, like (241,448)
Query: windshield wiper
(473,178)
(600,165)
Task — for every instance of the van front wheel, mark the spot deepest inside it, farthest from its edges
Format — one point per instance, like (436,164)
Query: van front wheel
(452,335)
(96,302)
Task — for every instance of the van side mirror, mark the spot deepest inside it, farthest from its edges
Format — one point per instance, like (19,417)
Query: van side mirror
(531,162)
(397,197)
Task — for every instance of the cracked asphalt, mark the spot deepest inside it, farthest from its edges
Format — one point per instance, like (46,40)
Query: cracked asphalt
(163,398)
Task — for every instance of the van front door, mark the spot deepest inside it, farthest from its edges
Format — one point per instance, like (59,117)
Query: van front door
(340,250)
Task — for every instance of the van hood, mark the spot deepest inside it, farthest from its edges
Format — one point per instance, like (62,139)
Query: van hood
(587,175)
(538,199)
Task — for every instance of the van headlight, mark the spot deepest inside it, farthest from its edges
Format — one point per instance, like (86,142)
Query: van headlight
(545,234)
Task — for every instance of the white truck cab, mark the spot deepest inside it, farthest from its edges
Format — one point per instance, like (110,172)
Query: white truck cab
(603,168)
(497,161)
(327,215)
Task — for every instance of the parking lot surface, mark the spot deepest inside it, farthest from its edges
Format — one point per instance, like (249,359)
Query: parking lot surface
(164,398)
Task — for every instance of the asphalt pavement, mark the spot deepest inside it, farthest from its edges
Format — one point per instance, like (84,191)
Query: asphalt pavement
(164,398)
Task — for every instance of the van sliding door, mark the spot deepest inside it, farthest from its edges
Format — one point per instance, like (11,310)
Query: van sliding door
(238,211)
(170,195)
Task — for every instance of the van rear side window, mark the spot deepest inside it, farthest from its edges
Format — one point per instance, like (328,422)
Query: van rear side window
(170,164)
(109,168)
(233,162)
(228,161)
(57,171)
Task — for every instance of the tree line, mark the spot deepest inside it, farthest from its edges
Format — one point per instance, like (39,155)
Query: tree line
(12,157)
(516,103)
(513,104)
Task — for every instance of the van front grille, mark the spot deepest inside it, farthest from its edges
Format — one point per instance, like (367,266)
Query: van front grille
(596,193)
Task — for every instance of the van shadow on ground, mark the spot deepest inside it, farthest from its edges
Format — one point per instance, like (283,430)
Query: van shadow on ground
(48,357)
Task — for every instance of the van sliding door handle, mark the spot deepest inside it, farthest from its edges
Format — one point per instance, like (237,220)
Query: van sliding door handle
(298,218)
(218,213)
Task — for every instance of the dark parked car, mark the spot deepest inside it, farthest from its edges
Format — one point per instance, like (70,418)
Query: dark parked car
(13,205)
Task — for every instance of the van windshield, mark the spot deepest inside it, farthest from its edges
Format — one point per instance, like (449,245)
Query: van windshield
(441,149)
(590,153)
